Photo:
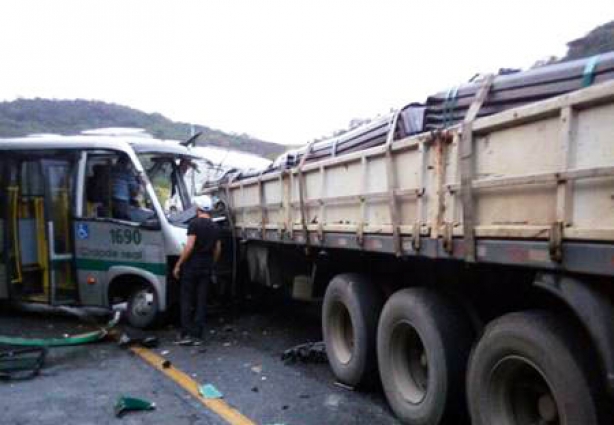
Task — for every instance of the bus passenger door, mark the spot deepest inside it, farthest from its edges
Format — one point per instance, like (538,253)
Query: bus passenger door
(59,207)
(25,239)
(112,253)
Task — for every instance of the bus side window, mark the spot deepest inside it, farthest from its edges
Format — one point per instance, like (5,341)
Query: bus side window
(98,189)
(112,189)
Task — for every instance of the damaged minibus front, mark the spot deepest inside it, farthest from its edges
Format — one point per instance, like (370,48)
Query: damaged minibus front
(93,221)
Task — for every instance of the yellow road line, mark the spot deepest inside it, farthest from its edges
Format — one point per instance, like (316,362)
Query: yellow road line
(218,406)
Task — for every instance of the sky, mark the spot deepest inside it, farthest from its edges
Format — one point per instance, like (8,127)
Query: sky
(283,71)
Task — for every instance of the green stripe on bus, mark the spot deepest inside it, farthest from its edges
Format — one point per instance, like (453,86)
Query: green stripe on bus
(104,265)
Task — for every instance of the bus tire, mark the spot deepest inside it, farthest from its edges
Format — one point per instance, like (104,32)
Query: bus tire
(143,308)
(350,313)
(531,367)
(423,345)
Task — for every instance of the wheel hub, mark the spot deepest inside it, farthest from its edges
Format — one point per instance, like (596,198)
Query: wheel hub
(423,360)
(547,408)
(520,394)
(409,362)
(343,333)
(142,304)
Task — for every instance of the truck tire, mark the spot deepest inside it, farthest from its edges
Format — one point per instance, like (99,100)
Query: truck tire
(531,368)
(351,309)
(143,307)
(423,345)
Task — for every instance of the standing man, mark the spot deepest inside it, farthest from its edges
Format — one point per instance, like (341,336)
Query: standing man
(195,266)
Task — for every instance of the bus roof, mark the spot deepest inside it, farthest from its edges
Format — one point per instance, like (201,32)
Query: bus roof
(123,143)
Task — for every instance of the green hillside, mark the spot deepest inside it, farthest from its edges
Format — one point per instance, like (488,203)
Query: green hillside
(598,40)
(26,116)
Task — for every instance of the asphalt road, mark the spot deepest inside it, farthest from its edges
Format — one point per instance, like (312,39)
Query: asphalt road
(80,385)
(241,358)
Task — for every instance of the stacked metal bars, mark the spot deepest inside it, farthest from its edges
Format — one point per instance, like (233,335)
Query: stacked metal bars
(447,108)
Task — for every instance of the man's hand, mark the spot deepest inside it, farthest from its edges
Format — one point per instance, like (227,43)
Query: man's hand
(217,251)
(185,254)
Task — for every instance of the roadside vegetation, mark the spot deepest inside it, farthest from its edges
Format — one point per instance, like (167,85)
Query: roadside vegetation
(29,116)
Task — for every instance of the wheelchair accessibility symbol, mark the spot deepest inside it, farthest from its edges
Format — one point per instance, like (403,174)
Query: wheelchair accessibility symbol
(83,231)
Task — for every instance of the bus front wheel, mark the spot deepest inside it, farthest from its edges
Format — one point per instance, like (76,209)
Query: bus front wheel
(143,307)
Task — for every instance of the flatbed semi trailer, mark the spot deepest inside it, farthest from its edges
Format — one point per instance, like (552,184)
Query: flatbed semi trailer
(469,269)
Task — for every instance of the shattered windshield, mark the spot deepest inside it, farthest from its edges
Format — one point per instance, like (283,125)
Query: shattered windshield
(200,174)
(167,175)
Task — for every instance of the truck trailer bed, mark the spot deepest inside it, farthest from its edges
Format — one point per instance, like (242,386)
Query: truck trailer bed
(531,186)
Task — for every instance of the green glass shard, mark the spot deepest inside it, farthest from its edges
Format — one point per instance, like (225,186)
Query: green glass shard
(126,404)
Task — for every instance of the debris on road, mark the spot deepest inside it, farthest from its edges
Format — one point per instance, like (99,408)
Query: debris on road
(311,352)
(208,391)
(344,386)
(127,404)
(66,340)
(127,339)
(183,342)
(332,400)
(257,369)
(17,363)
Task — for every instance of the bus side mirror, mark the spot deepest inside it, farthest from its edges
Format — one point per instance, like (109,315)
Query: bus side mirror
(151,224)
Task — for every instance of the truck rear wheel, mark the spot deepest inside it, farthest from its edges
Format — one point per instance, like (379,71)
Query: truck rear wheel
(527,369)
(423,343)
(351,309)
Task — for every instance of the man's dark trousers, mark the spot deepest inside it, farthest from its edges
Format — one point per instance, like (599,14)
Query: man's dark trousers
(194,287)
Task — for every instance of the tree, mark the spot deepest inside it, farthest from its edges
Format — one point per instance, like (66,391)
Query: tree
(599,40)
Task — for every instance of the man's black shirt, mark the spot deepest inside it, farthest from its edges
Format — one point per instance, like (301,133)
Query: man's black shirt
(207,234)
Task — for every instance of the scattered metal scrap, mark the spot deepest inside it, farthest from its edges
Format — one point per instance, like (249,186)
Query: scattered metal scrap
(18,363)
(23,358)
(128,404)
(80,339)
(127,339)
(311,352)
(85,338)
(344,386)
